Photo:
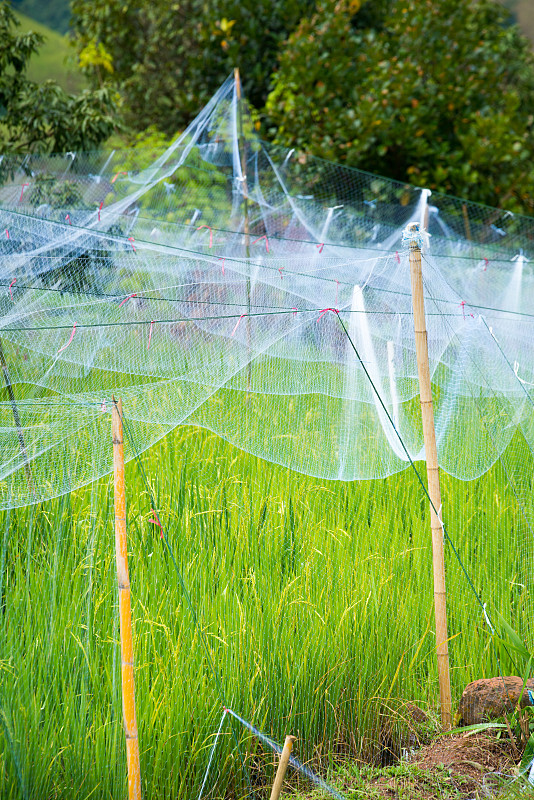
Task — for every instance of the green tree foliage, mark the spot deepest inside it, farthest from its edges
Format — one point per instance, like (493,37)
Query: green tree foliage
(437,94)
(168,58)
(43,116)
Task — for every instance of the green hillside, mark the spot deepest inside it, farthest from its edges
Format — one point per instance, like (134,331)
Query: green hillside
(53,13)
(525,17)
(55,59)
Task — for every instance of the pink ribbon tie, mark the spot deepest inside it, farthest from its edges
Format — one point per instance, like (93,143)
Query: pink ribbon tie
(320,246)
(22,191)
(10,285)
(126,299)
(324,310)
(211,233)
(157,522)
(266,241)
(70,340)
(237,324)
(114,178)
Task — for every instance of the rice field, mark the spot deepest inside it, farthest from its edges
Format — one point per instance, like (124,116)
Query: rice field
(314,599)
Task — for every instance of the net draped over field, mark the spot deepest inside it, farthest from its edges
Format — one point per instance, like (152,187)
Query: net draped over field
(264,295)
(235,286)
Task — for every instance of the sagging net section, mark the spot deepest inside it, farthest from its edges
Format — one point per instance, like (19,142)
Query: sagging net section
(265,296)
(280,322)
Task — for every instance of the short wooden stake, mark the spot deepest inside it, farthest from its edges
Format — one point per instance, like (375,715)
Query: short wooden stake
(434,489)
(123,578)
(282,767)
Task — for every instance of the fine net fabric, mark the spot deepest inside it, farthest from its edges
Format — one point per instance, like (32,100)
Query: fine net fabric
(239,288)
(222,284)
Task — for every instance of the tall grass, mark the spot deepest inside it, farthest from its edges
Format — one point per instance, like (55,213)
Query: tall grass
(314,599)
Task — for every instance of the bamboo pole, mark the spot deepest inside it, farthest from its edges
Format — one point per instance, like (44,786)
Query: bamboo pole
(123,578)
(432,468)
(466,222)
(282,767)
(16,417)
(246,224)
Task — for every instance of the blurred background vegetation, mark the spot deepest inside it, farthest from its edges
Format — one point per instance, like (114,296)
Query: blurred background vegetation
(436,95)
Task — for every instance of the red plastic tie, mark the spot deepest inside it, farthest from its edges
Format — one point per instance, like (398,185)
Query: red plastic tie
(67,219)
(10,285)
(157,522)
(220,258)
(211,233)
(126,299)
(100,209)
(237,323)
(462,304)
(266,241)
(486,262)
(22,190)
(320,246)
(397,256)
(150,334)
(324,310)
(70,340)
(280,271)
(7,233)
(294,309)
(114,178)
(132,240)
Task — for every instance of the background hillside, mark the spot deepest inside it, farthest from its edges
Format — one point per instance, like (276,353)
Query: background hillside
(56,59)
(525,17)
(53,13)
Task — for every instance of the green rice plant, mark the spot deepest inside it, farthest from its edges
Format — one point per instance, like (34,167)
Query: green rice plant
(313,598)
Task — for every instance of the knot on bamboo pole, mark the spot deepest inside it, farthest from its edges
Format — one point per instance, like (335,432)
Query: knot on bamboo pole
(413,236)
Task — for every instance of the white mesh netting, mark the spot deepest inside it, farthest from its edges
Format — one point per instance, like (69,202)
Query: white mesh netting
(265,296)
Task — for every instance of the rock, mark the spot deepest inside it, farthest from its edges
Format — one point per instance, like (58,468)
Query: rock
(486,699)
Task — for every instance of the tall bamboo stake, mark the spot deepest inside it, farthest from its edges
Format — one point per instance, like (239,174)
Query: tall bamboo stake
(246,224)
(466,222)
(16,417)
(282,767)
(123,578)
(432,468)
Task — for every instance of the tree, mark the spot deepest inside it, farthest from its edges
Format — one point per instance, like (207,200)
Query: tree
(436,94)
(168,58)
(43,116)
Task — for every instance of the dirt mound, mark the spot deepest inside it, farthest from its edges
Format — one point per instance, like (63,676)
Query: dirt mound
(453,767)
(468,758)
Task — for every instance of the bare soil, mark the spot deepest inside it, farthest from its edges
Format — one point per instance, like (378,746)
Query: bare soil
(460,766)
